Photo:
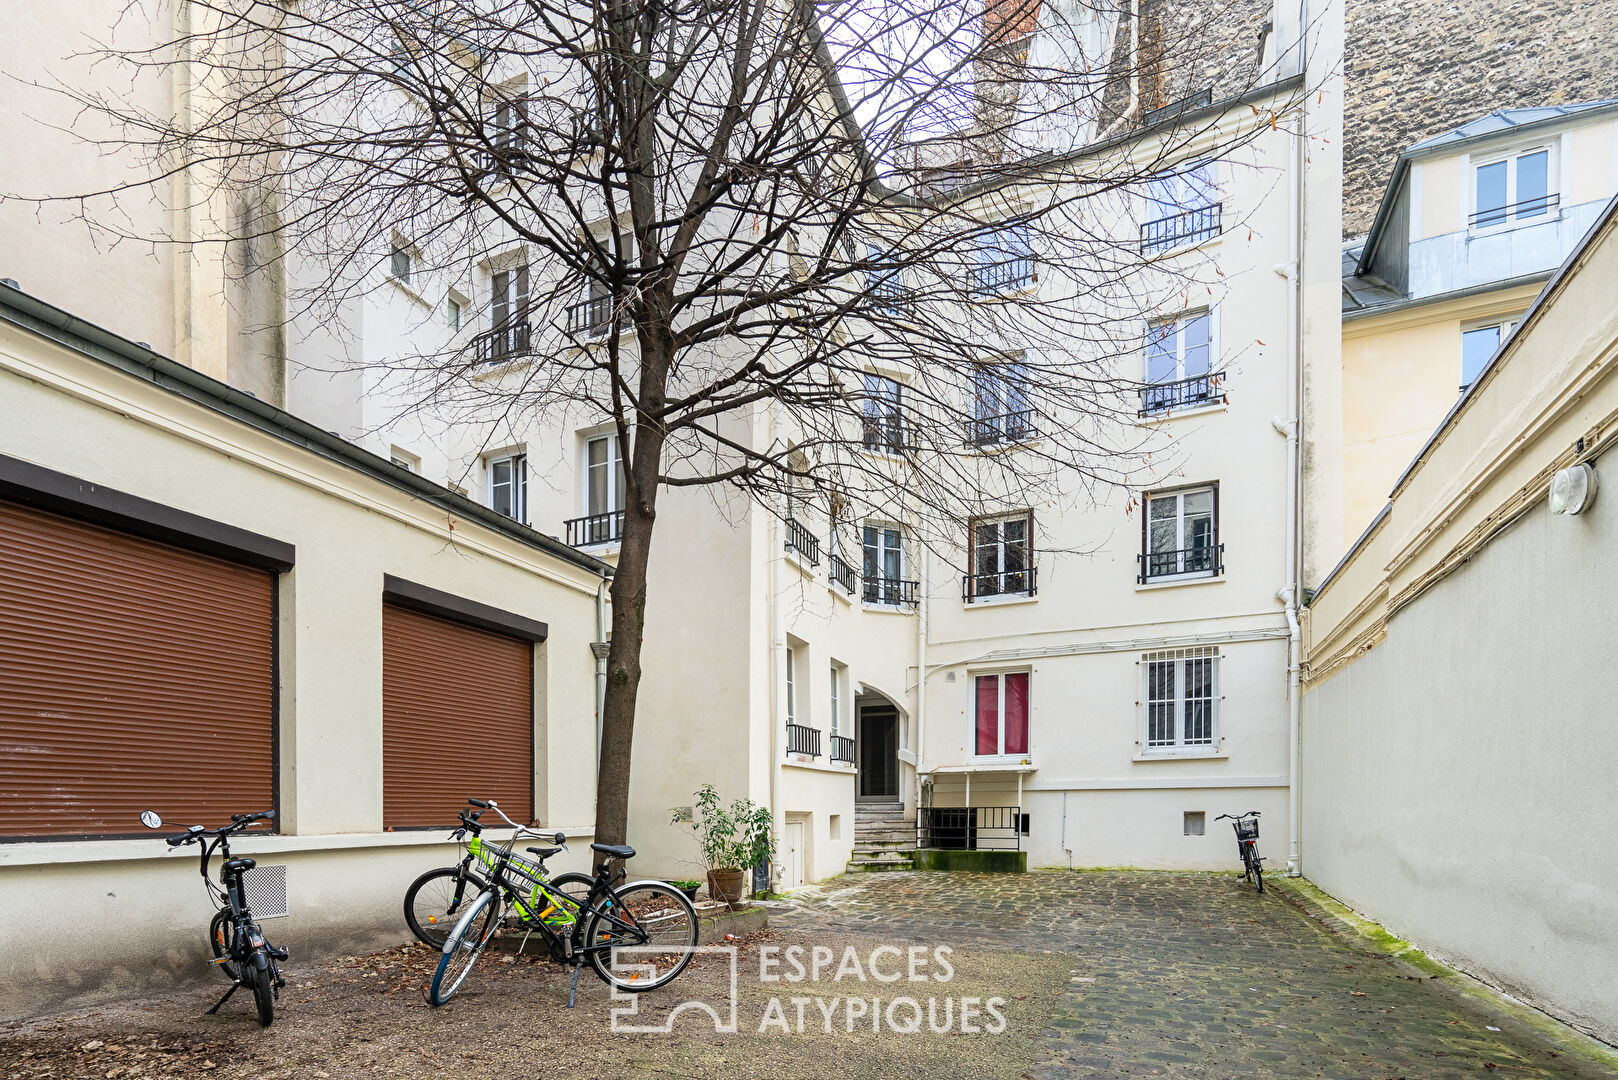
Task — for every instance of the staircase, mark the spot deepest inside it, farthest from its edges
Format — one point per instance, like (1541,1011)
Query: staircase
(883,838)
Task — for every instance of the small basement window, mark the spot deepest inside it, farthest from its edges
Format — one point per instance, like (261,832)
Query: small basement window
(1195,822)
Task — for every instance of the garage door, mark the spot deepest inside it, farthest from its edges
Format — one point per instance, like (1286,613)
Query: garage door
(133,675)
(457,719)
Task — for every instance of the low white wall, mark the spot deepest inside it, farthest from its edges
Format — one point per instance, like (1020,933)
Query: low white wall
(814,794)
(1460,779)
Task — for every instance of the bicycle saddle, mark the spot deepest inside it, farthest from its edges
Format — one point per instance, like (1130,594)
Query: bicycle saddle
(233,865)
(616,851)
(543,852)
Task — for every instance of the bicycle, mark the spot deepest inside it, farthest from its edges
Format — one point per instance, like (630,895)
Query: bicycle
(433,902)
(238,945)
(577,929)
(1246,826)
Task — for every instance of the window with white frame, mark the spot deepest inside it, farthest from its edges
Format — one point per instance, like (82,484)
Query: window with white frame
(1002,557)
(1182,207)
(1513,187)
(885,427)
(1004,260)
(792,685)
(1479,344)
(1180,534)
(1179,363)
(508,485)
(401,263)
(452,314)
(1000,715)
(1181,700)
(605,486)
(884,567)
(509,127)
(836,698)
(509,331)
(1000,408)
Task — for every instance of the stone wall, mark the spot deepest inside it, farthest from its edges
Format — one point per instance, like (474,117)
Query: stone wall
(1416,68)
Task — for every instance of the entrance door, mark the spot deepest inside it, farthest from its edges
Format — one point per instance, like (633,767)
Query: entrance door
(879,753)
(793,856)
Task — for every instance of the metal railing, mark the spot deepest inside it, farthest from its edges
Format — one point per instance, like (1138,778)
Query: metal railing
(1000,583)
(888,293)
(593,317)
(1182,393)
(889,432)
(1208,561)
(803,740)
(970,828)
(891,592)
(1528,208)
(803,541)
(502,343)
(997,277)
(605,528)
(1186,227)
(842,748)
(1008,427)
(843,574)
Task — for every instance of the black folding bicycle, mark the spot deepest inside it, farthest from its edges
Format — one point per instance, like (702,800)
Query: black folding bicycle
(238,945)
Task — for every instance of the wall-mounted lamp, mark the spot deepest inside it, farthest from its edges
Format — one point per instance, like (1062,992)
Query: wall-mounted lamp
(1573,489)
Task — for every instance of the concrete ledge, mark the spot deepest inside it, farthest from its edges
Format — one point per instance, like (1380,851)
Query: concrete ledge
(981,862)
(747,920)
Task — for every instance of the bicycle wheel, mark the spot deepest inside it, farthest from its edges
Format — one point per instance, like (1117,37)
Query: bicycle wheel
(435,901)
(263,984)
(654,919)
(464,945)
(1258,870)
(221,936)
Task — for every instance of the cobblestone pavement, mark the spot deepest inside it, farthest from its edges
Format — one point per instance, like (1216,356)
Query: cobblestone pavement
(1194,975)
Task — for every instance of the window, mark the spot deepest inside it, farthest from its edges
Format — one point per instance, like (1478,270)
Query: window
(1182,699)
(884,567)
(792,685)
(1179,363)
(605,482)
(1513,188)
(1004,260)
(399,264)
(508,486)
(510,123)
(836,698)
(1195,822)
(1180,208)
(1002,557)
(508,335)
(1478,346)
(885,427)
(452,314)
(404,459)
(1000,409)
(884,282)
(1000,712)
(1180,535)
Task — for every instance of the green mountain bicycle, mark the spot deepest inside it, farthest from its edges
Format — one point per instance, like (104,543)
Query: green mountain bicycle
(590,925)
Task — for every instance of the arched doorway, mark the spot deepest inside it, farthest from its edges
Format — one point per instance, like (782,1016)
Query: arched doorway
(877,738)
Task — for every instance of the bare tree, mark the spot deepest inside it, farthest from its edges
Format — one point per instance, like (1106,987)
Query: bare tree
(883,257)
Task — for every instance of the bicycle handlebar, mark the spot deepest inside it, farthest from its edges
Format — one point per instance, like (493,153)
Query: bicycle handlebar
(1237,817)
(559,838)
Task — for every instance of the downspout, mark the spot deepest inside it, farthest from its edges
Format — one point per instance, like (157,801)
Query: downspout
(599,647)
(921,678)
(778,646)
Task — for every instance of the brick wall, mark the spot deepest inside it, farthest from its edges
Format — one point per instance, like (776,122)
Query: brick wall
(1415,68)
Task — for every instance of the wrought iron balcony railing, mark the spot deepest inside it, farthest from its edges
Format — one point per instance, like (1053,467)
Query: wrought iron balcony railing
(1187,227)
(1182,393)
(1001,583)
(1004,276)
(844,575)
(1011,427)
(593,317)
(802,541)
(888,293)
(508,342)
(969,828)
(605,528)
(1539,206)
(842,748)
(889,432)
(892,592)
(1205,561)
(803,740)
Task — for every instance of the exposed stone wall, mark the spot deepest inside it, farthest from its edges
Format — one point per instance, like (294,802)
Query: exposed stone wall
(1415,68)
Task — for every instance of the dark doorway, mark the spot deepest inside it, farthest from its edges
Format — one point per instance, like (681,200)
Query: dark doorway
(878,743)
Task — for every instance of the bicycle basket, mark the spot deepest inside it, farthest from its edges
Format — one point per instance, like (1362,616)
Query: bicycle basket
(517,867)
(1247,829)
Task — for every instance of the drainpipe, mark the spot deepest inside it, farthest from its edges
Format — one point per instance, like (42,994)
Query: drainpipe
(778,647)
(599,648)
(921,675)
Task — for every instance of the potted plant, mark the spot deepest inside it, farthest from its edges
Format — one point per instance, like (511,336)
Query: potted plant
(733,839)
(688,887)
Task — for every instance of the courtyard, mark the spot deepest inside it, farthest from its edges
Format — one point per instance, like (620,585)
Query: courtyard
(1066,974)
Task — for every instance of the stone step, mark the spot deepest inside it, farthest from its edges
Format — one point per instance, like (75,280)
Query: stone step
(893,836)
(877,868)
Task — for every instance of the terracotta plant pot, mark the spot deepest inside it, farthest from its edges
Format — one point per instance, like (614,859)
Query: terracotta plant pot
(727,885)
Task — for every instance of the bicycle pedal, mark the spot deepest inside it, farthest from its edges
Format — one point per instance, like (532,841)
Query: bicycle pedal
(278,952)
(220,960)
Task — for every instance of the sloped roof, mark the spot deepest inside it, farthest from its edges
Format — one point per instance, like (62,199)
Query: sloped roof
(1363,290)
(1506,120)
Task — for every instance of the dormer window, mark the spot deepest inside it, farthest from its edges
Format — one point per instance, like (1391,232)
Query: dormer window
(1512,188)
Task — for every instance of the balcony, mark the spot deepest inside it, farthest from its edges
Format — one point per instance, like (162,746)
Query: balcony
(892,592)
(801,541)
(842,749)
(889,433)
(1007,428)
(844,575)
(803,740)
(1205,561)
(509,342)
(1189,393)
(1003,583)
(593,317)
(888,294)
(969,828)
(605,528)
(1187,227)
(1006,275)
(1536,208)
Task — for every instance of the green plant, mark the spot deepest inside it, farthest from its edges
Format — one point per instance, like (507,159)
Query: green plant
(686,883)
(733,837)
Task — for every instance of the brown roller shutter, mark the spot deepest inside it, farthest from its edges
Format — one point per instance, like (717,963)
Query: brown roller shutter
(133,675)
(457,720)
